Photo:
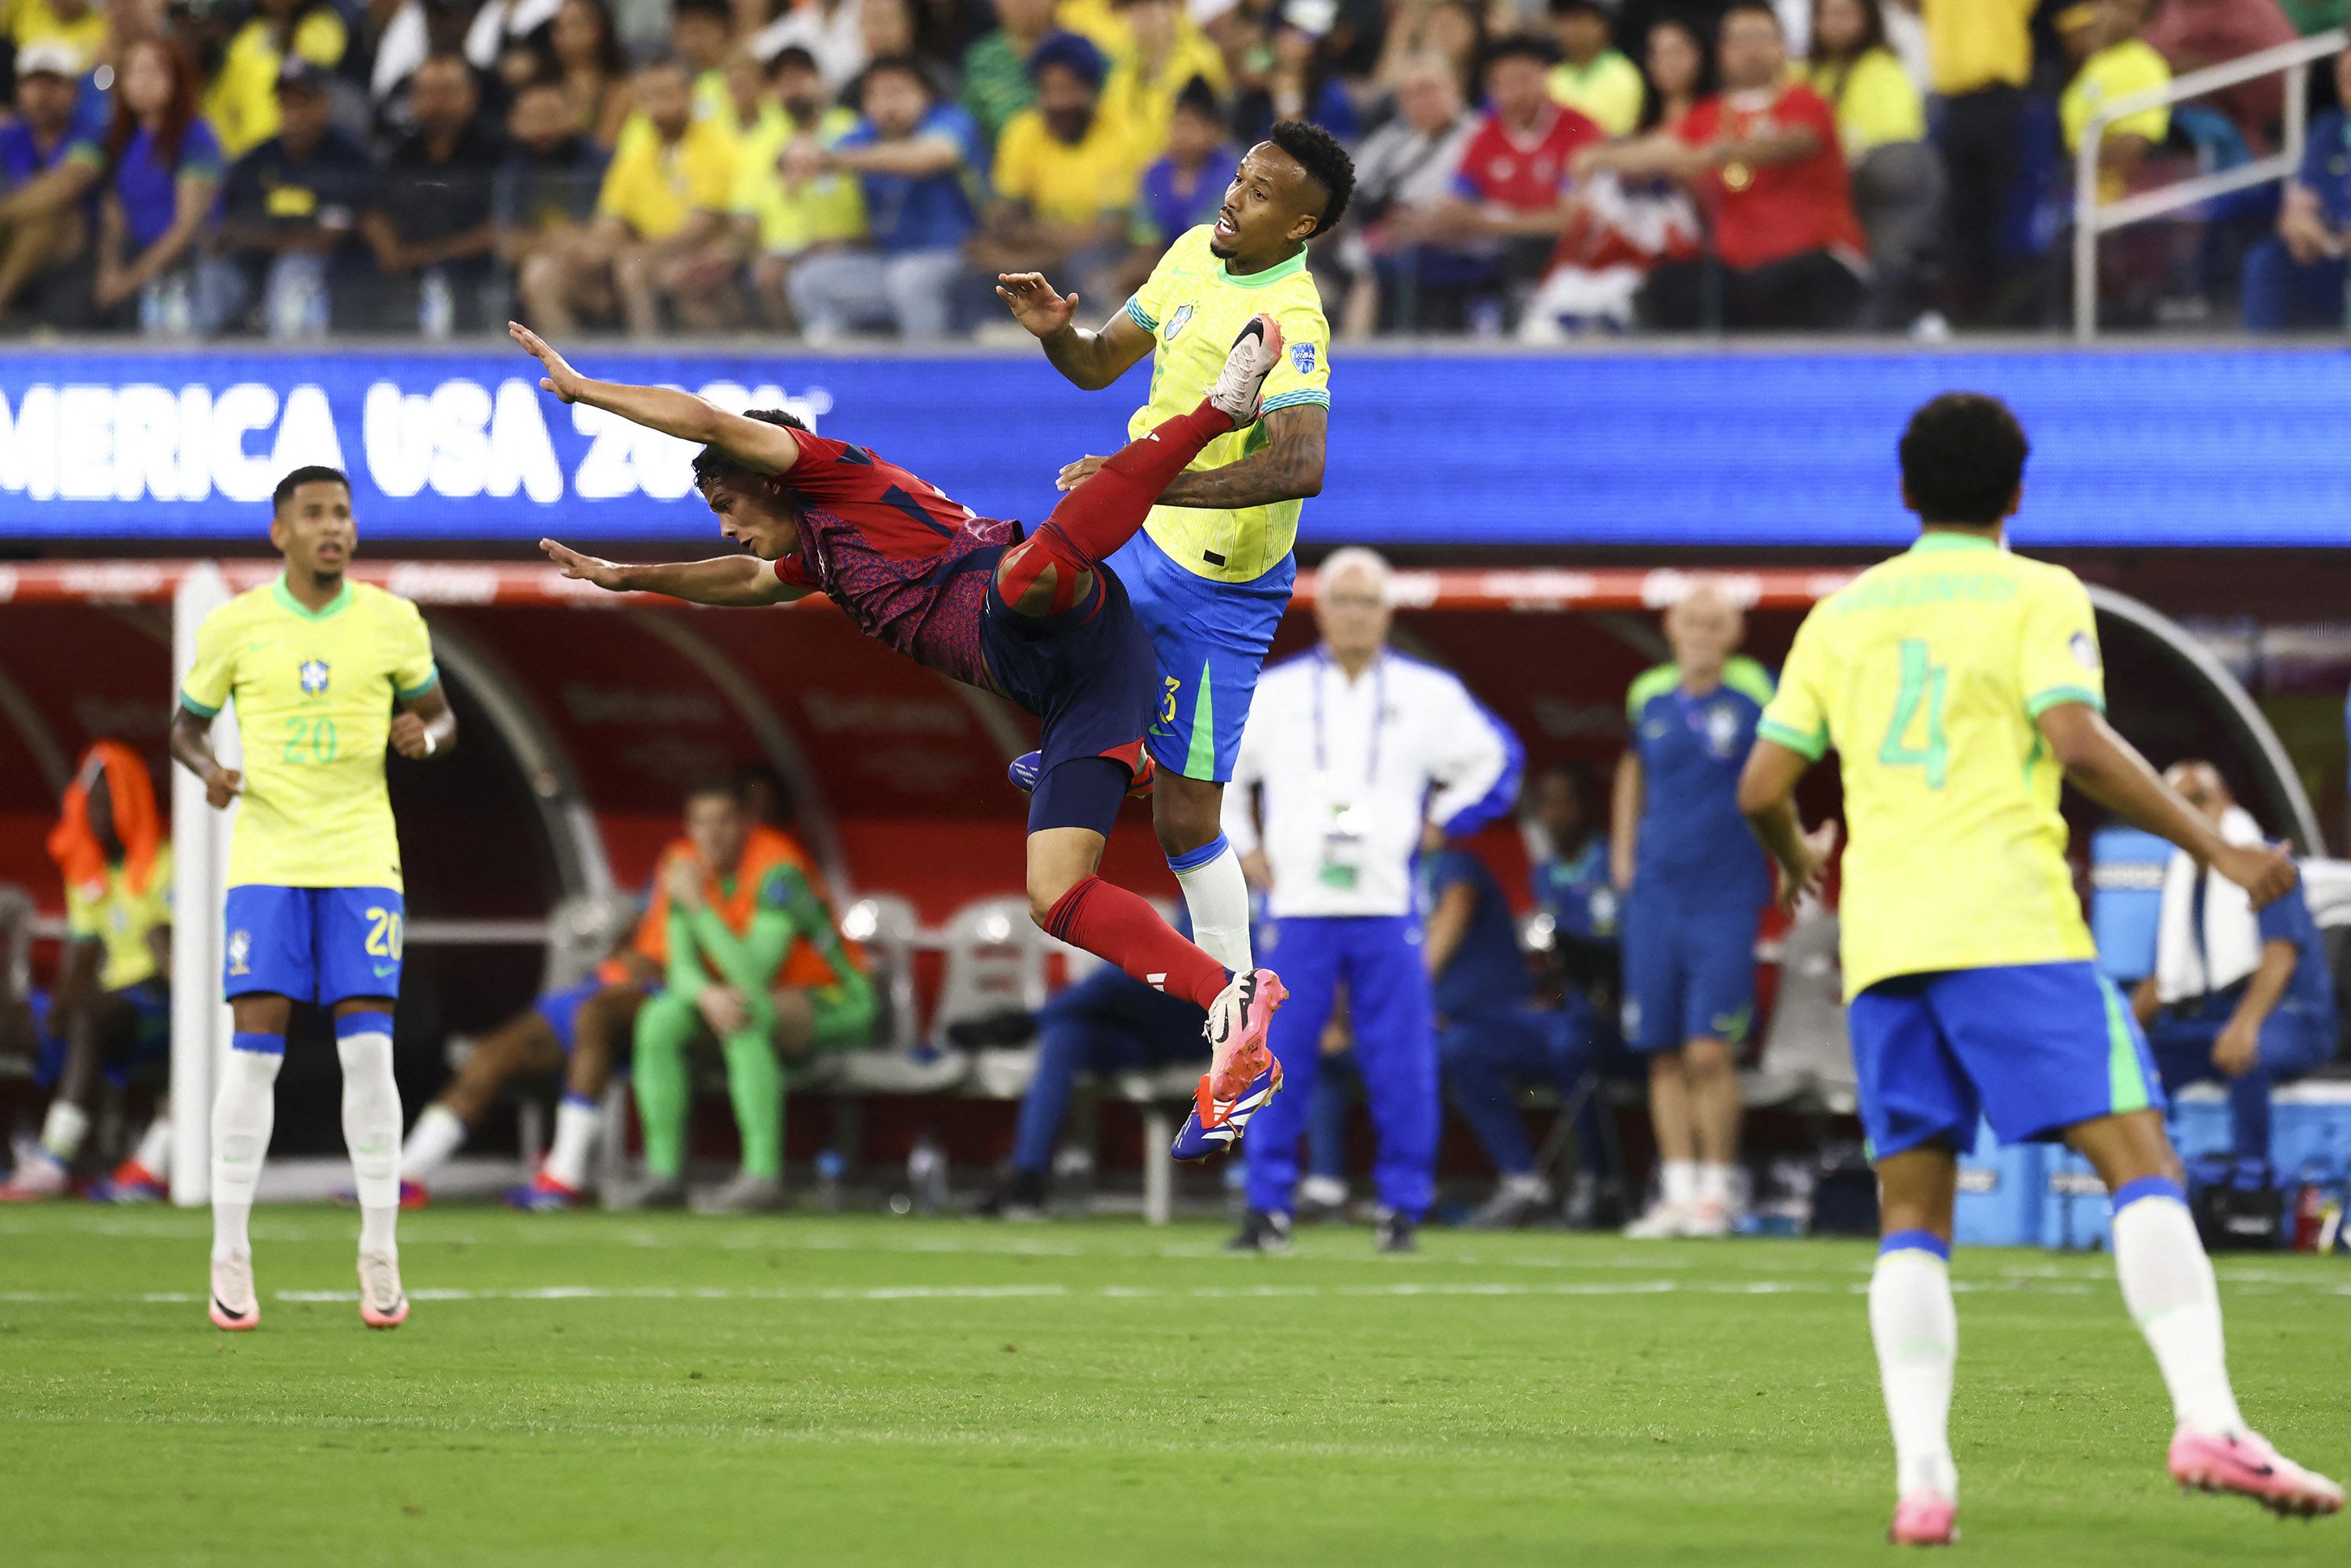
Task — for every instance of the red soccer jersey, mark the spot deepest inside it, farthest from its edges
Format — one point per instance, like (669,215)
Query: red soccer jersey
(1524,172)
(1764,215)
(909,565)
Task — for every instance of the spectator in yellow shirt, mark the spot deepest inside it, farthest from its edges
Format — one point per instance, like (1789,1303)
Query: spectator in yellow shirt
(1162,54)
(2115,62)
(1066,175)
(665,199)
(80,25)
(242,102)
(777,217)
(1591,78)
(1983,54)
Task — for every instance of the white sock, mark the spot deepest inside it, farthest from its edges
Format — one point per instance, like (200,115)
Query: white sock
(243,1110)
(1715,1183)
(2168,1284)
(154,1151)
(371,1123)
(1677,1182)
(1529,1184)
(439,1132)
(1217,895)
(1916,1331)
(62,1131)
(576,1118)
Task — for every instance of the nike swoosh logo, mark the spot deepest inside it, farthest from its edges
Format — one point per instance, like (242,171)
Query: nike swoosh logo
(384,969)
(228,1311)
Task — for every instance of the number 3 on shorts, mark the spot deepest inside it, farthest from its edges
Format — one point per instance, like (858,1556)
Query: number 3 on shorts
(383,932)
(1923,685)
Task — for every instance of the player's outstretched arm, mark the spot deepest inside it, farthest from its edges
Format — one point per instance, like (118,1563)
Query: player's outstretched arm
(766,448)
(1091,359)
(735,580)
(192,748)
(1767,794)
(2108,769)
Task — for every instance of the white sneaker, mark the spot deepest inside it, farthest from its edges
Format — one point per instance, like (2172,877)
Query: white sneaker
(382,1304)
(1706,1220)
(234,1307)
(1662,1221)
(1241,384)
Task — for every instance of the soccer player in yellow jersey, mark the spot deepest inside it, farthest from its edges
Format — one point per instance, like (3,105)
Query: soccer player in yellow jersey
(1211,573)
(1957,683)
(316,666)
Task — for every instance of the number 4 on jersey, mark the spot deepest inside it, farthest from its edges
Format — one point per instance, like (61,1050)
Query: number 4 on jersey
(1921,697)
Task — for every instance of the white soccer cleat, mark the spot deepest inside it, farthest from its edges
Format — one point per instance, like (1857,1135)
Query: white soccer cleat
(1241,384)
(1706,1220)
(1661,1221)
(235,1306)
(382,1304)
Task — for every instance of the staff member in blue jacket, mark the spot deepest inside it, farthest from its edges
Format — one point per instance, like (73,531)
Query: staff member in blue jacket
(1696,884)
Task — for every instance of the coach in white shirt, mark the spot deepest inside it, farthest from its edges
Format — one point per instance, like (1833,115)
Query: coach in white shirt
(1360,755)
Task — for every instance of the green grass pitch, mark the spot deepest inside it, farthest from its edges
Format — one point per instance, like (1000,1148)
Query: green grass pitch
(621,1390)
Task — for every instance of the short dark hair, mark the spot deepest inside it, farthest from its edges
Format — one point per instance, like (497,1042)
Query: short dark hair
(705,785)
(1963,459)
(905,65)
(1762,8)
(714,464)
(308,473)
(1584,8)
(1325,162)
(718,10)
(1518,46)
(1198,98)
(791,55)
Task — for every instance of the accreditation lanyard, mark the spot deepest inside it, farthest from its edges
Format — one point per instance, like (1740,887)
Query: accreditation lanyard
(1343,835)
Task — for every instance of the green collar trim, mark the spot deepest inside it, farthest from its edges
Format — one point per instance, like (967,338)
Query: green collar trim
(1942,540)
(1271,275)
(285,600)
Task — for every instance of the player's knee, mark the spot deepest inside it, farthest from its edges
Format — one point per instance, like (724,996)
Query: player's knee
(1185,813)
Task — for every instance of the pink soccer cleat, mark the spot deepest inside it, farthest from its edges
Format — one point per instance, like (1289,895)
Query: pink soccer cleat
(1244,1077)
(235,1306)
(382,1304)
(2247,1466)
(1924,1517)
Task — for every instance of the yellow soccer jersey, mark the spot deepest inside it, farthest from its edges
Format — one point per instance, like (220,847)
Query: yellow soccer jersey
(1926,675)
(314,693)
(122,920)
(1194,310)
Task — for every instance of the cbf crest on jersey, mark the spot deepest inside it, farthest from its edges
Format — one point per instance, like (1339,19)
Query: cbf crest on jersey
(240,950)
(314,677)
(1175,323)
(1301,358)
(1721,730)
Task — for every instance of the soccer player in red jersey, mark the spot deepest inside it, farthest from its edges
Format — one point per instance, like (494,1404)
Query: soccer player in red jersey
(1038,618)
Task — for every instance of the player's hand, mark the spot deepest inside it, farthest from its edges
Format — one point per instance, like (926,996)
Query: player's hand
(1076,474)
(2266,871)
(560,379)
(584,568)
(408,735)
(2238,1050)
(724,1010)
(223,785)
(1796,884)
(1036,305)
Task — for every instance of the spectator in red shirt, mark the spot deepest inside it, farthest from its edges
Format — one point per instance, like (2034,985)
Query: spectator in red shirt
(1514,191)
(1763,161)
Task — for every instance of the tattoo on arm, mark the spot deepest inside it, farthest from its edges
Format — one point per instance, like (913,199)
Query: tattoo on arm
(1288,467)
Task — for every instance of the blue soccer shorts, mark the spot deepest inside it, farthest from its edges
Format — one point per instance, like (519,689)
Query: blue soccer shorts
(322,945)
(1689,972)
(2033,1048)
(1210,640)
(560,1009)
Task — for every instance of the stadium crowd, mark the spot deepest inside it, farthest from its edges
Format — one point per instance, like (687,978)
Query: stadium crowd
(847,166)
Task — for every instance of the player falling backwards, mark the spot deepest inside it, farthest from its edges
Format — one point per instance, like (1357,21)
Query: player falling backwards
(1210,574)
(317,665)
(1956,683)
(1041,619)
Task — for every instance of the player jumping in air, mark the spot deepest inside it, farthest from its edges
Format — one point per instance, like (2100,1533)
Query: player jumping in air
(317,665)
(1044,620)
(1957,684)
(1210,574)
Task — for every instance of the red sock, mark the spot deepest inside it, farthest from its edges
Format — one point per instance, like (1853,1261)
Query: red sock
(1104,511)
(1113,923)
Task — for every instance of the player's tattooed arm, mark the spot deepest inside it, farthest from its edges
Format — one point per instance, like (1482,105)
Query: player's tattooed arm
(1091,359)
(735,580)
(192,748)
(426,725)
(767,448)
(1288,467)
